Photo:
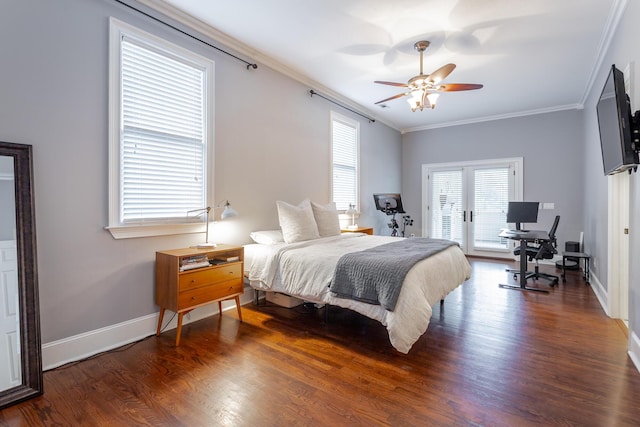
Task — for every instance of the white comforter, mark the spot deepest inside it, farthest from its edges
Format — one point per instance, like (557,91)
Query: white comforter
(305,269)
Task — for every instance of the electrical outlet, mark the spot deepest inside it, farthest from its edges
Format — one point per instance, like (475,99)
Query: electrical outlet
(548,206)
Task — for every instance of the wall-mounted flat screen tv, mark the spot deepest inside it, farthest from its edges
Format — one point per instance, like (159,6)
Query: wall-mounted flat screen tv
(616,125)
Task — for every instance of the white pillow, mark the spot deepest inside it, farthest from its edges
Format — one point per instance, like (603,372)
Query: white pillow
(267,237)
(297,222)
(326,218)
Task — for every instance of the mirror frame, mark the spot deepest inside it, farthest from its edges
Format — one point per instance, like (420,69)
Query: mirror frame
(28,297)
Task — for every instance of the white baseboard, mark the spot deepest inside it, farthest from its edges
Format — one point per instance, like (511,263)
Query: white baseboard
(600,292)
(78,347)
(634,349)
(634,340)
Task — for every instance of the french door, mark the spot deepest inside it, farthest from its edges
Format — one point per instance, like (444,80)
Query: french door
(467,202)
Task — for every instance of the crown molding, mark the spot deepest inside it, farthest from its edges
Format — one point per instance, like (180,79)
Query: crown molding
(613,20)
(496,117)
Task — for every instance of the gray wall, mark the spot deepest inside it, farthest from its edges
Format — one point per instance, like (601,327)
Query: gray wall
(550,144)
(622,51)
(271,142)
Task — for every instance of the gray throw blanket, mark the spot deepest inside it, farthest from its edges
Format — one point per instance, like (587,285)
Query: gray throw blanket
(375,275)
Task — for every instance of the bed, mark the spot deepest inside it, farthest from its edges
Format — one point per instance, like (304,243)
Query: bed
(305,269)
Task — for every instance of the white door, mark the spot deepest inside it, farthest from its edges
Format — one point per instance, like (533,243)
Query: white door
(10,369)
(468,203)
(618,259)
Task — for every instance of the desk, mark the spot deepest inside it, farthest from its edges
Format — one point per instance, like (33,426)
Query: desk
(524,237)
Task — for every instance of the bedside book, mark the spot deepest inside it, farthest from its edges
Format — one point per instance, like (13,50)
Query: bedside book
(193,265)
(225,260)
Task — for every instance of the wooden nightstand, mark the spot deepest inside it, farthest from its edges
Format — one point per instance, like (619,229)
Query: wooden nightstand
(366,230)
(190,278)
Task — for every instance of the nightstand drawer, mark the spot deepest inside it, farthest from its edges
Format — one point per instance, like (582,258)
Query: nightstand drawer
(198,278)
(209,293)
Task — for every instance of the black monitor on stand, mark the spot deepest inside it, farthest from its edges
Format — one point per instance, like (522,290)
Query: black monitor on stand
(391,204)
(522,212)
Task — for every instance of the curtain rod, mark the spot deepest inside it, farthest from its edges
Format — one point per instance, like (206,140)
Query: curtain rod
(249,64)
(313,92)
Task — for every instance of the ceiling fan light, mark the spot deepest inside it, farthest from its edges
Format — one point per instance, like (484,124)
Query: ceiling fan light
(433,98)
(413,103)
(417,95)
(422,87)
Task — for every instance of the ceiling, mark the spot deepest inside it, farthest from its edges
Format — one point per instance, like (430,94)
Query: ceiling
(531,56)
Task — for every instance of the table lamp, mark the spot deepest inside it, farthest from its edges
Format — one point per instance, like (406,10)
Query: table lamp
(352,211)
(228,212)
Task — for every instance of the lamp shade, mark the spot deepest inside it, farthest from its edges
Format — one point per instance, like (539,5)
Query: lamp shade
(433,98)
(228,211)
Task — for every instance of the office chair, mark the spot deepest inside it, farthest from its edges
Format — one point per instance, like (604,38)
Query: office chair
(546,249)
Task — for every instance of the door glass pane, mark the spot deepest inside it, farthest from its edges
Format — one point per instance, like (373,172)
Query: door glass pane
(491,199)
(446,205)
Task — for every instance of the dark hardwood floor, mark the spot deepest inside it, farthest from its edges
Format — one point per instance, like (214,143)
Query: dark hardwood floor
(491,357)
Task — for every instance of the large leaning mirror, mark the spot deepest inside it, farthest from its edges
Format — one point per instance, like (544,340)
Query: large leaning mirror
(20,349)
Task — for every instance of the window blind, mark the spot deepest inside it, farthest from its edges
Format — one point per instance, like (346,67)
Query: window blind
(491,199)
(447,205)
(163,134)
(344,163)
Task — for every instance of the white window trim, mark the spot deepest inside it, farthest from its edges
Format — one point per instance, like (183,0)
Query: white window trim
(339,117)
(117,29)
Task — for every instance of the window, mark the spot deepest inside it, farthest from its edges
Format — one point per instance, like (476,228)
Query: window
(345,141)
(161,98)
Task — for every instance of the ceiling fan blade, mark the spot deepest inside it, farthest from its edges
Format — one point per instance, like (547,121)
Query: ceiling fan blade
(393,97)
(441,73)
(457,87)
(391,83)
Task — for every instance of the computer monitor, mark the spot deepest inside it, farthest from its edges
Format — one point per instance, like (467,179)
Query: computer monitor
(389,203)
(522,212)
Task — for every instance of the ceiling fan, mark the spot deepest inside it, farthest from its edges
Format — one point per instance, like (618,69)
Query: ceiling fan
(424,88)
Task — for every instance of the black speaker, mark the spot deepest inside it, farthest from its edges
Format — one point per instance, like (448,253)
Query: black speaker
(570,263)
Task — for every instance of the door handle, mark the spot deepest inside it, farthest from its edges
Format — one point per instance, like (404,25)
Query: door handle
(470,216)
(464,216)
